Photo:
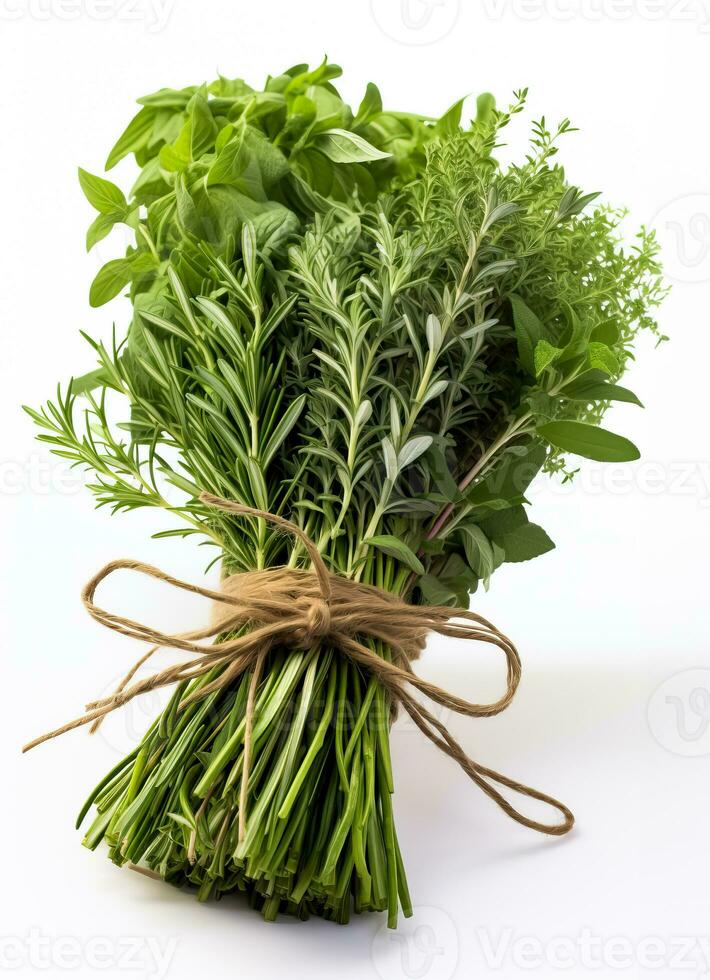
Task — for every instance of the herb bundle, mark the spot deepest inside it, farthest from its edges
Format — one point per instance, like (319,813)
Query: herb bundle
(363,323)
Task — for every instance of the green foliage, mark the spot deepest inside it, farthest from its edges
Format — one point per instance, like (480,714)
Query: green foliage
(213,157)
(394,371)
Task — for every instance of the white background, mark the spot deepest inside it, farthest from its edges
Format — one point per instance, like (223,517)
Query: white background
(617,611)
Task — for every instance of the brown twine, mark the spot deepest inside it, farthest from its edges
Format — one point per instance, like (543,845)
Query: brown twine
(298,608)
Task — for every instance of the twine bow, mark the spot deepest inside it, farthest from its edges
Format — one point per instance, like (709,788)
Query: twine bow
(303,608)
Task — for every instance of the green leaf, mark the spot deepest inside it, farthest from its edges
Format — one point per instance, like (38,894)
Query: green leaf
(109,281)
(133,138)
(591,391)
(607,333)
(88,382)
(100,227)
(545,355)
(602,358)
(514,537)
(478,549)
(528,332)
(441,474)
(390,458)
(504,521)
(450,123)
(436,592)
(230,163)
(452,585)
(573,202)
(589,441)
(196,213)
(340,146)
(370,106)
(168,98)
(525,542)
(273,227)
(509,480)
(249,162)
(102,194)
(280,433)
(175,157)
(412,450)
(197,136)
(434,333)
(485,107)
(203,128)
(396,549)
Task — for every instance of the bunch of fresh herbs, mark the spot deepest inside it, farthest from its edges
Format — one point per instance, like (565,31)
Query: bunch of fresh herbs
(364,323)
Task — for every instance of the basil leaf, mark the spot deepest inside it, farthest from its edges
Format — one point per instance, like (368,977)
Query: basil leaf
(102,194)
(109,281)
(450,123)
(133,138)
(100,228)
(370,106)
(340,146)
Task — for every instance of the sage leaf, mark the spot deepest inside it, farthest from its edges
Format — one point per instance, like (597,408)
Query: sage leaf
(528,332)
(545,355)
(600,391)
(588,440)
(393,546)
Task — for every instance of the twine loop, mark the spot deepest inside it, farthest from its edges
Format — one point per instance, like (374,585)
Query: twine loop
(293,607)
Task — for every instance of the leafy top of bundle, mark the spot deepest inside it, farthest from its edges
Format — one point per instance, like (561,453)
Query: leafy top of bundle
(361,321)
(213,157)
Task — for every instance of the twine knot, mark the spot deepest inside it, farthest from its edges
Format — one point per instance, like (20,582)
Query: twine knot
(295,607)
(317,623)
